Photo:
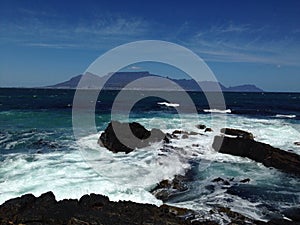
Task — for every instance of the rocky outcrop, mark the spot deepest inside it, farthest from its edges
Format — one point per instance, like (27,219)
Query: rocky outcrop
(237,133)
(90,209)
(266,154)
(125,137)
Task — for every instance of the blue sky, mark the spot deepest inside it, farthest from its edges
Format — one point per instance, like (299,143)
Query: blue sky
(257,42)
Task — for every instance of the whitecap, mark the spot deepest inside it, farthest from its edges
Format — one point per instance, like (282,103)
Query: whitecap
(285,116)
(217,110)
(168,104)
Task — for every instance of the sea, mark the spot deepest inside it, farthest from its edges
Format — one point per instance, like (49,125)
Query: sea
(39,152)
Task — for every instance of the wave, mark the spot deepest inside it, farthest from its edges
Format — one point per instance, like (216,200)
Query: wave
(168,104)
(217,110)
(285,116)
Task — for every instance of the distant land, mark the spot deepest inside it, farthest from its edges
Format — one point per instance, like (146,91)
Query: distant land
(120,79)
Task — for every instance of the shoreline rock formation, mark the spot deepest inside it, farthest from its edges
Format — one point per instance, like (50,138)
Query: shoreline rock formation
(126,137)
(260,152)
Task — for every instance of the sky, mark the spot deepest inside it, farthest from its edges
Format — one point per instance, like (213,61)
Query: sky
(243,42)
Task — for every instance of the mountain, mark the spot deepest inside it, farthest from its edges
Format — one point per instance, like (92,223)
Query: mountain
(120,79)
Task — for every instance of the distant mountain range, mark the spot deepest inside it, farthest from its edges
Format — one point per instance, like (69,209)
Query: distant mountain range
(120,79)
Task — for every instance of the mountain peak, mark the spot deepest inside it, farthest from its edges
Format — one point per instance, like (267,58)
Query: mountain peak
(119,80)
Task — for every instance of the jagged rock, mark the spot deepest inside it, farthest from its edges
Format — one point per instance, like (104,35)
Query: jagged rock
(129,137)
(89,210)
(238,133)
(266,154)
(200,126)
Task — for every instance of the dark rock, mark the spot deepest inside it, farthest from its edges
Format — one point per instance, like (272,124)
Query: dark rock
(259,152)
(179,132)
(293,214)
(89,210)
(297,143)
(166,188)
(129,137)
(238,133)
(201,126)
(220,179)
(208,130)
(247,180)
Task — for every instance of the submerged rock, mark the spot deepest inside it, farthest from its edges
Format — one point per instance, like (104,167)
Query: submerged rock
(208,129)
(238,133)
(166,188)
(266,154)
(129,137)
(200,126)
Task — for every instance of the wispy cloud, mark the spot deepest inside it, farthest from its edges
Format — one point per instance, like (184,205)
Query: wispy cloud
(92,33)
(244,43)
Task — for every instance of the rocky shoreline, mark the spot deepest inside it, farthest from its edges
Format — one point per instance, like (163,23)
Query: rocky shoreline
(98,209)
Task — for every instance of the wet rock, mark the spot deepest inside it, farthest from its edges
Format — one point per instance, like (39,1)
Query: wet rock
(130,136)
(166,188)
(247,180)
(89,210)
(293,214)
(220,179)
(266,154)
(238,133)
(208,130)
(200,126)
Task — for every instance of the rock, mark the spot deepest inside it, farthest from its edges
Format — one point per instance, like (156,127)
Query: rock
(89,210)
(179,132)
(266,154)
(200,126)
(128,140)
(238,133)
(247,180)
(220,179)
(194,133)
(166,188)
(293,214)
(96,209)
(208,130)
(297,143)
(185,136)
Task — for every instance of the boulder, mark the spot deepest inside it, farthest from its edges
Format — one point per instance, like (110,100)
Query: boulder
(238,133)
(260,152)
(129,137)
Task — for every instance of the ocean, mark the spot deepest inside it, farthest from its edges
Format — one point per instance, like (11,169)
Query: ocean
(39,153)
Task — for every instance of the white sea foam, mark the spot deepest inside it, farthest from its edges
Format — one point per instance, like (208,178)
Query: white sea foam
(217,110)
(285,116)
(168,104)
(130,176)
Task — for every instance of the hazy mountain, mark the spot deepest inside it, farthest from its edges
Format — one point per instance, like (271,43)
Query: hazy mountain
(120,79)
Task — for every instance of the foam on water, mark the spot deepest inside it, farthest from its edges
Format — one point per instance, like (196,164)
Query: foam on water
(88,168)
